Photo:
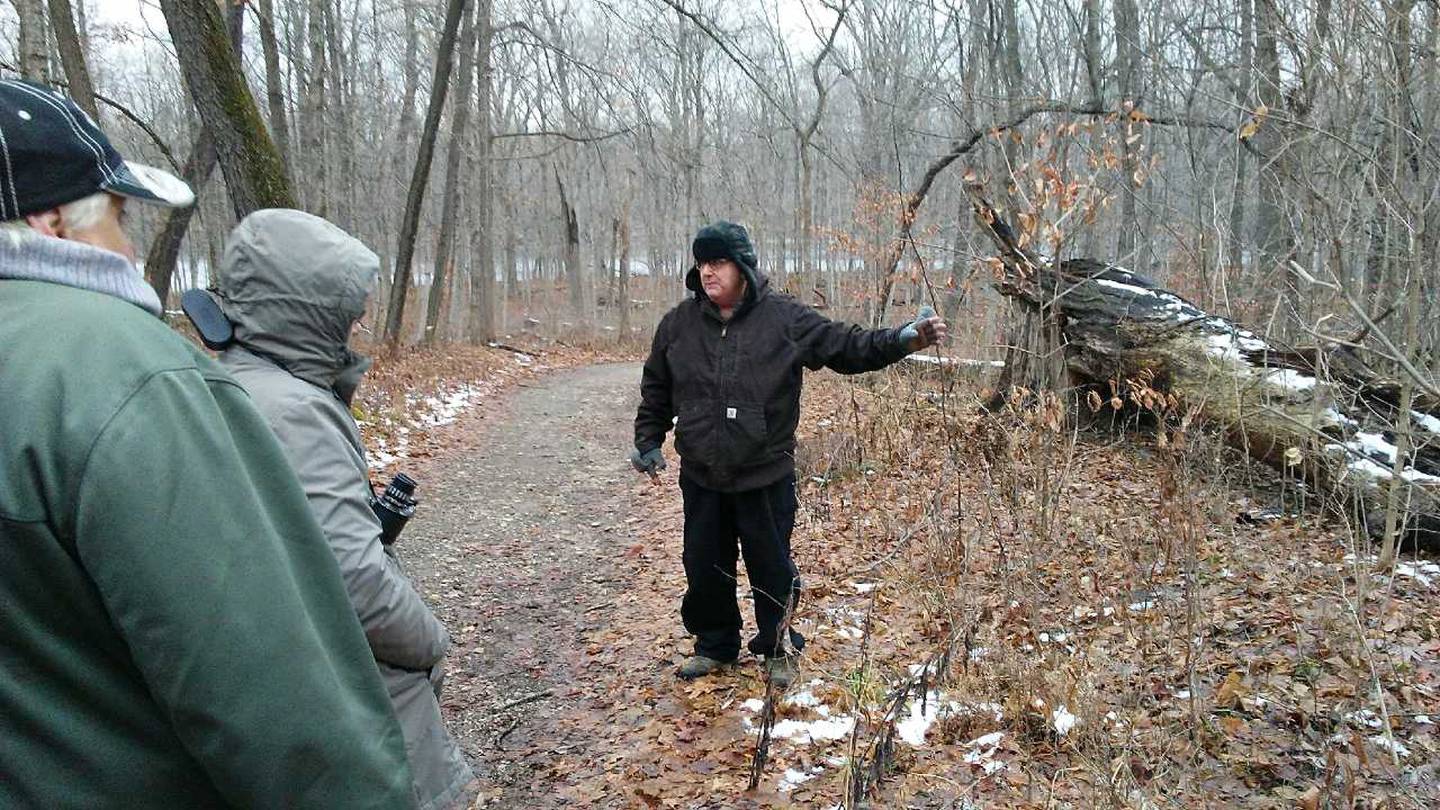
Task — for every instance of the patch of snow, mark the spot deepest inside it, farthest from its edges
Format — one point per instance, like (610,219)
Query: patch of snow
(443,409)
(916,670)
(1424,720)
(1183,694)
(829,728)
(1063,720)
(805,698)
(912,729)
(1123,287)
(1231,341)
(793,778)
(1367,444)
(1289,379)
(1420,571)
(1426,421)
(755,705)
(1338,418)
(1373,444)
(977,653)
(1364,717)
(1388,744)
(864,587)
(983,750)
(380,457)
(1148,604)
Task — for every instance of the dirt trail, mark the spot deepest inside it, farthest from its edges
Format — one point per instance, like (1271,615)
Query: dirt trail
(517,546)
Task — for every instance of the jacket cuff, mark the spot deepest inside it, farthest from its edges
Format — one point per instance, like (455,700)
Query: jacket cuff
(901,350)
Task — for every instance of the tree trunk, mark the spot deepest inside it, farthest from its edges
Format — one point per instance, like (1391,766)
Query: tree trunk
(1273,231)
(34,55)
(164,250)
(571,226)
(274,86)
(254,174)
(1241,189)
(405,246)
(1127,70)
(459,133)
(624,271)
(72,55)
(1320,412)
(313,106)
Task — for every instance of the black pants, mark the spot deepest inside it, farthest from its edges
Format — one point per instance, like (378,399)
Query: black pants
(761,519)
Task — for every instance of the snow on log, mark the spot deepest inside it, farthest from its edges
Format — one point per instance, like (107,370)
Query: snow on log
(1319,412)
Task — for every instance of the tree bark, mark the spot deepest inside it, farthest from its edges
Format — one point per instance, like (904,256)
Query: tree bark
(571,227)
(274,87)
(72,56)
(314,103)
(1273,232)
(254,174)
(34,55)
(164,251)
(1321,412)
(1127,75)
(410,223)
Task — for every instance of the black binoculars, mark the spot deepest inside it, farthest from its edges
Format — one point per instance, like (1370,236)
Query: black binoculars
(395,506)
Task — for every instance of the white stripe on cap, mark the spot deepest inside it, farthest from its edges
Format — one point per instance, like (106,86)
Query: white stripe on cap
(14,211)
(99,152)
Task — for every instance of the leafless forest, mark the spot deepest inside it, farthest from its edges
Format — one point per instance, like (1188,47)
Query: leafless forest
(1258,180)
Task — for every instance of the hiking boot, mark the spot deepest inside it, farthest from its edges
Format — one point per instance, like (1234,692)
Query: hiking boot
(697,666)
(782,670)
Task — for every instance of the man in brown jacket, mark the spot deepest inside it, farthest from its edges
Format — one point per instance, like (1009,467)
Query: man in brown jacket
(726,367)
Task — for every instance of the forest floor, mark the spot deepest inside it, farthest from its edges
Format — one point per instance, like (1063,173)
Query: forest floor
(1001,611)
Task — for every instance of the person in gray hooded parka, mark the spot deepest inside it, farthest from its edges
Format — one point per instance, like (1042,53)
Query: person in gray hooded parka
(292,286)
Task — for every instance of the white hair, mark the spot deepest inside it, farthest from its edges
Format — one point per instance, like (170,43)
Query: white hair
(82,213)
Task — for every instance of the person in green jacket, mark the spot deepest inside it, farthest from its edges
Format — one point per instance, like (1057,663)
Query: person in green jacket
(175,631)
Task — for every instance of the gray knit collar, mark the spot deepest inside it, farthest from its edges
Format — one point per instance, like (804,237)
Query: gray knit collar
(37,257)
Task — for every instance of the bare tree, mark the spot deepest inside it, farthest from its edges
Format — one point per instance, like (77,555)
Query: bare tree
(482,265)
(274,86)
(34,55)
(410,223)
(459,135)
(72,56)
(254,174)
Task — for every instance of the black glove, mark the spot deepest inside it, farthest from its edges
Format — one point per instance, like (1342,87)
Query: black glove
(651,461)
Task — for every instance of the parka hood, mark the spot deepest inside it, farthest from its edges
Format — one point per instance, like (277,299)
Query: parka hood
(293,285)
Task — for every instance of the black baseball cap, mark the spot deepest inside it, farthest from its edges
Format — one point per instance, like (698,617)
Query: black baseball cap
(52,153)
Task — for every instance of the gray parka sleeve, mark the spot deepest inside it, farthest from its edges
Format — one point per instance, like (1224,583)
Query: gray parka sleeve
(400,627)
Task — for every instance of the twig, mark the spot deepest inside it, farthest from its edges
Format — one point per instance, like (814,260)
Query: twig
(514,724)
(527,699)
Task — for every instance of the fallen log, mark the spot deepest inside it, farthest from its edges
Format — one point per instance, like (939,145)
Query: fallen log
(1318,412)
